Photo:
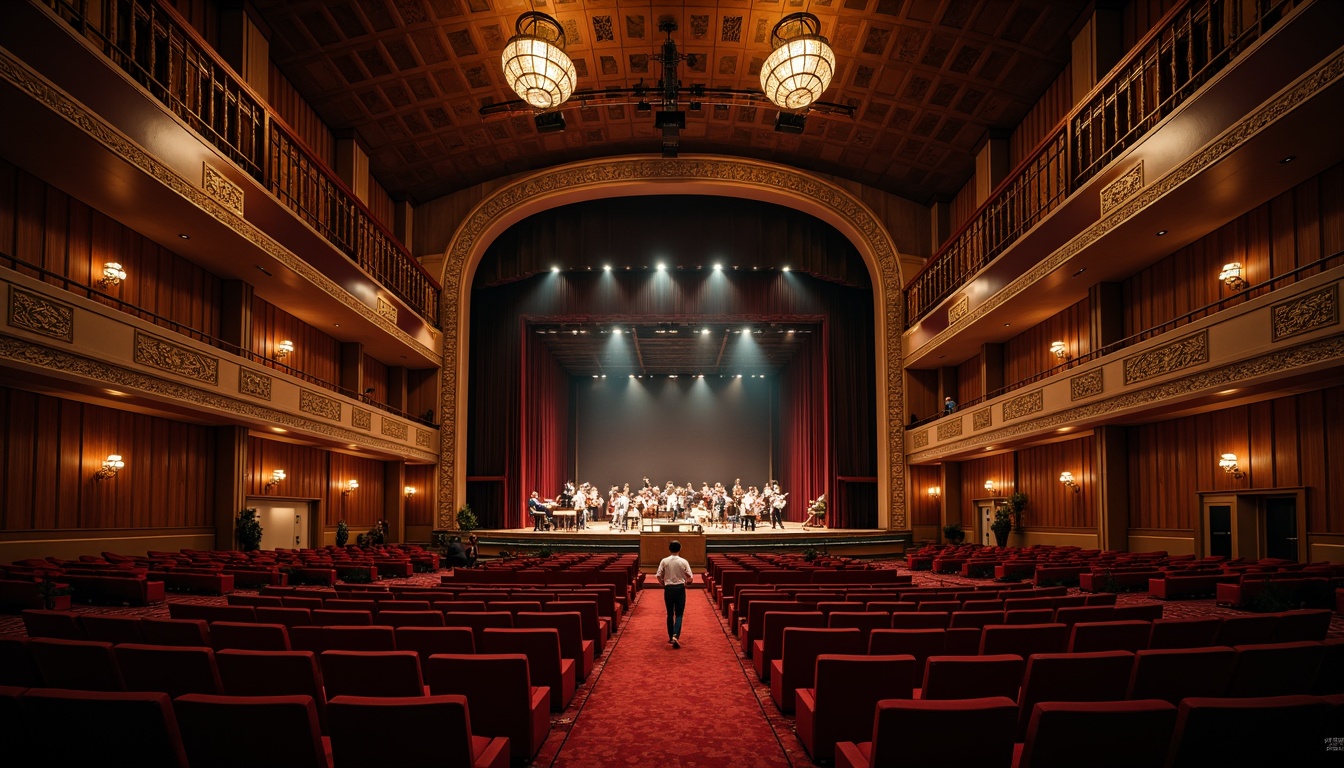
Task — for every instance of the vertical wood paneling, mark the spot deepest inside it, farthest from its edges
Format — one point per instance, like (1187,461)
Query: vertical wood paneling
(422,392)
(1140,16)
(305,469)
(380,204)
(420,507)
(300,117)
(1000,468)
(1028,353)
(52,448)
(1052,107)
(962,207)
(362,507)
(970,382)
(924,509)
(375,377)
(1050,503)
(315,353)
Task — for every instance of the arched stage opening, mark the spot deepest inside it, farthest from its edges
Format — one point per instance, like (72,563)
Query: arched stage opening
(682,179)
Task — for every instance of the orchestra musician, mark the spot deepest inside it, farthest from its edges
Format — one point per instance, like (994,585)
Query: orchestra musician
(541,514)
(777,502)
(816,513)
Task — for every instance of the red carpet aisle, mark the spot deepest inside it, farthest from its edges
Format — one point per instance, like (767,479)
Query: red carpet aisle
(655,706)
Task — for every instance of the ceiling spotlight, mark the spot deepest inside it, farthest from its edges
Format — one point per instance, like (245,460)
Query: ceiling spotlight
(632,375)
(617,331)
(1161,232)
(718,267)
(606,267)
(786,269)
(704,331)
(555,269)
(662,267)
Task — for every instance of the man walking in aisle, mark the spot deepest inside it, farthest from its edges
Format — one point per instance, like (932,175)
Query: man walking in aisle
(674,573)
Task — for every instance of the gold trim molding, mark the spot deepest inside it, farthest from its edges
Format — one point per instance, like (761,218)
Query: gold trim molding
(218,186)
(160,353)
(1128,185)
(1305,313)
(37,313)
(681,175)
(319,404)
(1168,358)
(950,429)
(360,418)
(1024,405)
(982,419)
(1086,385)
(257,385)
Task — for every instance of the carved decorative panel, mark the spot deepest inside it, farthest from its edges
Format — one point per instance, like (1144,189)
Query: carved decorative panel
(224,192)
(982,419)
(394,429)
(949,429)
(958,309)
(319,405)
(1122,189)
(167,356)
(361,418)
(1190,351)
(1024,405)
(1306,313)
(257,385)
(387,310)
(922,438)
(36,313)
(424,438)
(1085,385)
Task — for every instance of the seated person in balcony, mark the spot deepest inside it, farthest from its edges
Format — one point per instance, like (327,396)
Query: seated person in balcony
(539,512)
(949,405)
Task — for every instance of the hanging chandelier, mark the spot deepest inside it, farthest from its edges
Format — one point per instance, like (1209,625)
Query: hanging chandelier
(535,63)
(800,67)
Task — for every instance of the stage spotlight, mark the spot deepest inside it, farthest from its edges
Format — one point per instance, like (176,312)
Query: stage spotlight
(617,331)
(704,331)
(718,267)
(786,269)
(739,375)
(606,267)
(632,375)
(555,269)
(662,267)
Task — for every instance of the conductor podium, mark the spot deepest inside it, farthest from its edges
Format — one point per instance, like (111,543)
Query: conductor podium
(653,546)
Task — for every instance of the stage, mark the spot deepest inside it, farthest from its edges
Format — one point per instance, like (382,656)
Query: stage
(792,538)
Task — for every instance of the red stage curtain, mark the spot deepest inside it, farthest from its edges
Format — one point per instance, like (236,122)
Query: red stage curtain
(804,435)
(545,437)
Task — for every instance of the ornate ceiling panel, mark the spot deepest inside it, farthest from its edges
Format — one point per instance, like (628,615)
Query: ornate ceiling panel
(925,80)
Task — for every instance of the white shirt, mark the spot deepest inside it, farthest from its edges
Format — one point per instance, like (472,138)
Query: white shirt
(674,570)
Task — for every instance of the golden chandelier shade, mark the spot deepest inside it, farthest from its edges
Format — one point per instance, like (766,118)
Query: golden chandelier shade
(535,63)
(800,67)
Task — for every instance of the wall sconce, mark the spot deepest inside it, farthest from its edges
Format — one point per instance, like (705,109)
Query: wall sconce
(1059,349)
(1067,479)
(276,477)
(989,486)
(410,491)
(1228,463)
(935,492)
(283,349)
(1232,276)
(111,466)
(113,274)
(349,487)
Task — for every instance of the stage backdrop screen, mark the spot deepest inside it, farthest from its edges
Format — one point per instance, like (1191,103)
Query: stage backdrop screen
(683,429)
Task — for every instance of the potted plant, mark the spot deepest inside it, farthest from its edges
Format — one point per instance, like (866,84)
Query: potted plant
(342,533)
(1003,523)
(466,519)
(1016,503)
(248,530)
(954,533)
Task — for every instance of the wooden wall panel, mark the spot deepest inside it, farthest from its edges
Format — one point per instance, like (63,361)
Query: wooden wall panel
(305,469)
(1000,468)
(1028,353)
(1050,503)
(420,508)
(921,394)
(1283,443)
(51,449)
(380,204)
(315,353)
(1043,118)
(962,207)
(1139,16)
(43,226)
(422,393)
(970,382)
(1295,228)
(924,509)
(375,377)
(361,508)
(300,117)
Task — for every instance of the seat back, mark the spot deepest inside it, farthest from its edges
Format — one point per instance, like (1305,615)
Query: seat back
(272,673)
(427,641)
(252,637)
(920,620)
(17,668)
(917,643)
(1172,674)
(359,639)
(1275,669)
(1247,630)
(798,657)
(1183,633)
(1294,626)
(499,694)
(411,618)
(776,622)
(922,732)
(847,690)
(112,629)
(1073,614)
(354,717)
(114,728)
(1234,731)
(865,622)
(1029,616)
(174,670)
(1024,639)
(478,622)
(325,617)
(282,731)
(973,677)
(58,625)
(290,617)
(976,618)
(82,665)
(1061,734)
(371,673)
(1087,636)
(515,606)
(568,625)
(1099,676)
(188,633)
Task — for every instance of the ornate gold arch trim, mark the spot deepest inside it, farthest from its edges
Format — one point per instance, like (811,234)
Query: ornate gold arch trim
(644,175)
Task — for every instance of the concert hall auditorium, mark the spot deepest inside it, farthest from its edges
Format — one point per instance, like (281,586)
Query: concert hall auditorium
(372,372)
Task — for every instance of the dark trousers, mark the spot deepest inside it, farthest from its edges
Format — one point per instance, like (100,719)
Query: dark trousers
(776,518)
(674,597)
(748,521)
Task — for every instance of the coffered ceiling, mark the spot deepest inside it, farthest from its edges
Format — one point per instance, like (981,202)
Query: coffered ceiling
(924,79)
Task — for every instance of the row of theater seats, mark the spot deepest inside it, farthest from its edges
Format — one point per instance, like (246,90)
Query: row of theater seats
(731,600)
(609,606)
(1200,732)
(511,688)
(152,730)
(836,692)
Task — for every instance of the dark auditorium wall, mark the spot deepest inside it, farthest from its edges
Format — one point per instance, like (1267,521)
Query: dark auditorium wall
(312,473)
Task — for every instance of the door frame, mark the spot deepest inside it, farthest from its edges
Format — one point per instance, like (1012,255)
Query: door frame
(1248,520)
(990,504)
(313,510)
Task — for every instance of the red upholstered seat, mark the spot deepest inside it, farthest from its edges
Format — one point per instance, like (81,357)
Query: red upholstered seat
(936,733)
(919,643)
(83,665)
(920,620)
(1172,674)
(1099,676)
(972,677)
(595,628)
(427,641)
(976,618)
(769,646)
(281,731)
(1262,731)
(1293,626)
(174,670)
(1024,639)
(252,637)
(841,704)
(60,625)
(1247,630)
(572,643)
(299,601)
(1029,616)
(515,606)
(326,617)
(403,605)
(478,622)
(1088,636)
(410,618)
(1183,633)
(344,638)
(1071,615)
(112,629)
(17,668)
(272,673)
(753,625)
(865,622)
(189,633)
(113,728)
(290,617)
(545,663)
(796,666)
(353,718)
(500,695)
(1101,734)
(371,673)
(1275,669)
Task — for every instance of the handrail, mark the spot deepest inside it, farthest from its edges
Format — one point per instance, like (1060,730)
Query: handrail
(125,307)
(1191,43)
(1240,297)
(167,57)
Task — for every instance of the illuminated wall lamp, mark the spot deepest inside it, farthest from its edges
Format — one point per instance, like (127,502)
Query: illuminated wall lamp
(935,492)
(1228,463)
(276,477)
(989,486)
(113,274)
(283,349)
(1067,479)
(1233,276)
(349,487)
(111,466)
(410,491)
(1059,349)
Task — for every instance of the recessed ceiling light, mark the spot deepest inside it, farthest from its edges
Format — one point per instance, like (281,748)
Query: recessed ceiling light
(594,375)
(336,325)
(1007,325)
(263,270)
(1080,271)
(184,236)
(617,331)
(1287,159)
(1161,232)
(279,429)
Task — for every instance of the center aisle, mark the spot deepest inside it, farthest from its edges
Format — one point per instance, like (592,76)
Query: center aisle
(656,706)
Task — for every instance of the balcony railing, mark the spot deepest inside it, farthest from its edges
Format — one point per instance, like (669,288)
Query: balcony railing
(1236,299)
(80,289)
(159,51)
(1192,43)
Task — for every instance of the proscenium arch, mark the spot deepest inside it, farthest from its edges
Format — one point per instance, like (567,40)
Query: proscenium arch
(687,175)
